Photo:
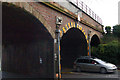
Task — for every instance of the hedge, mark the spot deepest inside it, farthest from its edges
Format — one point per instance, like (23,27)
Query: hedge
(108,52)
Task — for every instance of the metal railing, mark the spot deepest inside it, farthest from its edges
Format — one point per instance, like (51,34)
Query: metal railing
(80,4)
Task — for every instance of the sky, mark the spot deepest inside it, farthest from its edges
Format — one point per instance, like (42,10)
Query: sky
(107,10)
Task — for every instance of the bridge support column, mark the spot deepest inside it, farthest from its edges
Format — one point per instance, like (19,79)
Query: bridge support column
(0,39)
(89,46)
(58,53)
(57,33)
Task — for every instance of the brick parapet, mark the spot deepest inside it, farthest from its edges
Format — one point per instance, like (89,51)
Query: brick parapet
(85,19)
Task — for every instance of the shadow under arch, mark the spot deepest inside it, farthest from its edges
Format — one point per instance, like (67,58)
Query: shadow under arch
(95,41)
(27,45)
(73,45)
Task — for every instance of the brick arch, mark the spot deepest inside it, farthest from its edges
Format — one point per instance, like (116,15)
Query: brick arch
(64,30)
(72,25)
(93,35)
(24,36)
(95,40)
(28,7)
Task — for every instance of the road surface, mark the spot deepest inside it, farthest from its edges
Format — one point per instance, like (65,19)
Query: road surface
(90,76)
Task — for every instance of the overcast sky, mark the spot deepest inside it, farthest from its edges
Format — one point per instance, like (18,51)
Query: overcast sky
(107,10)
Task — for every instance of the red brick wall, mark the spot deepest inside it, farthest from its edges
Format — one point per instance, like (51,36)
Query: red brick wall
(91,21)
(49,15)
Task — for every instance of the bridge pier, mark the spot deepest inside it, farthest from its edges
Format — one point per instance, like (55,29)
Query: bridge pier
(29,33)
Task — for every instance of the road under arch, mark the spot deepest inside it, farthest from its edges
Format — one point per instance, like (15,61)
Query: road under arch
(73,45)
(27,44)
(95,41)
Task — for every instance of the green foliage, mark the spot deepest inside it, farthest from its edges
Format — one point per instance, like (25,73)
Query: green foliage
(116,30)
(108,38)
(108,52)
(108,29)
(109,49)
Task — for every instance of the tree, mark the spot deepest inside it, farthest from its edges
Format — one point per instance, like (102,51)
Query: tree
(109,52)
(109,49)
(116,30)
(108,29)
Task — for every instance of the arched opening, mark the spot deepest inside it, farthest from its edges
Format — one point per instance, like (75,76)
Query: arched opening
(95,41)
(73,45)
(27,44)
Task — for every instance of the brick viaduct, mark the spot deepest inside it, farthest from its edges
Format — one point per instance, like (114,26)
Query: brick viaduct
(29,37)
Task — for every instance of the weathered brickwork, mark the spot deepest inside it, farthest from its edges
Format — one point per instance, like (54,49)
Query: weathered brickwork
(91,21)
(48,15)
(39,33)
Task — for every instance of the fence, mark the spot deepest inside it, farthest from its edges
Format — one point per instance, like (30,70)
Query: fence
(86,9)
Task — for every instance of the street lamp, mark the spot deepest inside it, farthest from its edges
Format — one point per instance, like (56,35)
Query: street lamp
(57,31)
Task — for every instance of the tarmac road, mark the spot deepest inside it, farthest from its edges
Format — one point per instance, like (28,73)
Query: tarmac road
(90,76)
(79,76)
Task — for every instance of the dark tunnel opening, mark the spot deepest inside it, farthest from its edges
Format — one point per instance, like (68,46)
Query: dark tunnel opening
(73,45)
(95,41)
(25,42)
